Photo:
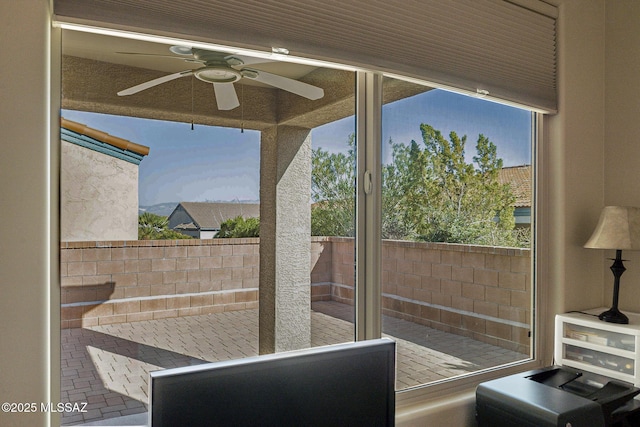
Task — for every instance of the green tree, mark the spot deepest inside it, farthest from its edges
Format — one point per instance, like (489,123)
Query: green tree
(332,192)
(450,200)
(429,193)
(156,227)
(240,227)
(397,177)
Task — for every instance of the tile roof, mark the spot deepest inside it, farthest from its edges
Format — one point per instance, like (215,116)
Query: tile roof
(209,215)
(104,137)
(519,178)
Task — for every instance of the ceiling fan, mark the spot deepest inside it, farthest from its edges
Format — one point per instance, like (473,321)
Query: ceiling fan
(223,70)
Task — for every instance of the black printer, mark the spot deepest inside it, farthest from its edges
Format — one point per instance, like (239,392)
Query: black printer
(556,397)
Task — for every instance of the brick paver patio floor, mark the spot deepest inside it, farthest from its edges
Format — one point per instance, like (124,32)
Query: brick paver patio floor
(108,366)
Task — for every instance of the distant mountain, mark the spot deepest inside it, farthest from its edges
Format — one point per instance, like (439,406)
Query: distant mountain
(163,209)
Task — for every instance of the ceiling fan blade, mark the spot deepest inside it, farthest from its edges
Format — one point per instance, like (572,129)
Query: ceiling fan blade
(154,82)
(247,60)
(290,85)
(183,57)
(226,96)
(150,54)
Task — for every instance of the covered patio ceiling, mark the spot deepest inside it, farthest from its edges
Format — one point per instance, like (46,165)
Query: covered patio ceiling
(95,69)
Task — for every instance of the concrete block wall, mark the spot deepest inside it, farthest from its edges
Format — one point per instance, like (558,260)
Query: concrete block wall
(476,291)
(333,269)
(126,281)
(321,268)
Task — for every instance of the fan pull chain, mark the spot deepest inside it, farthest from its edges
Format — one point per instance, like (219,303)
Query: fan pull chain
(192,78)
(242,109)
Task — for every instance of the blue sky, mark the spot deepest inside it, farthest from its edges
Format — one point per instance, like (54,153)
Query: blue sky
(213,163)
(507,127)
(206,163)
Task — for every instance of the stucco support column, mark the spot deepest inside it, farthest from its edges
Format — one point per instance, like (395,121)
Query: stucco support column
(285,242)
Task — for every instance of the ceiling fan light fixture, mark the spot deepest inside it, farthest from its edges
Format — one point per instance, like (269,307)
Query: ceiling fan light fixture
(217,74)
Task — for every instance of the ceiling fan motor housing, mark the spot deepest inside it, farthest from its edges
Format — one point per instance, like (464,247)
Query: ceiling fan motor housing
(218,67)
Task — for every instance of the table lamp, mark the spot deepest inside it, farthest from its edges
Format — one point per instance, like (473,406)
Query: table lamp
(618,228)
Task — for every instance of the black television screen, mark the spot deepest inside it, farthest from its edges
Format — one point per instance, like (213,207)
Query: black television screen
(350,384)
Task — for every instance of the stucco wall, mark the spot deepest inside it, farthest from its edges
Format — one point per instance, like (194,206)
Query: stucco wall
(99,196)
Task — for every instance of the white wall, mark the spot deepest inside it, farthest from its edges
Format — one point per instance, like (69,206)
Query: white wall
(98,196)
(621,149)
(29,355)
(573,167)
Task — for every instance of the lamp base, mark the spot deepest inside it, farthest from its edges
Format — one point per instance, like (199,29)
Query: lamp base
(613,315)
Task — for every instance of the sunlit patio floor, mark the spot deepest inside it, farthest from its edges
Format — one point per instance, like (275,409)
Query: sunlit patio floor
(108,366)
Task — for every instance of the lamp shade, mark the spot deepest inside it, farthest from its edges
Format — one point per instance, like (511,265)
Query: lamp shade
(618,228)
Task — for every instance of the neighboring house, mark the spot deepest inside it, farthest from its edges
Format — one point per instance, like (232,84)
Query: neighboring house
(202,219)
(98,185)
(519,179)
